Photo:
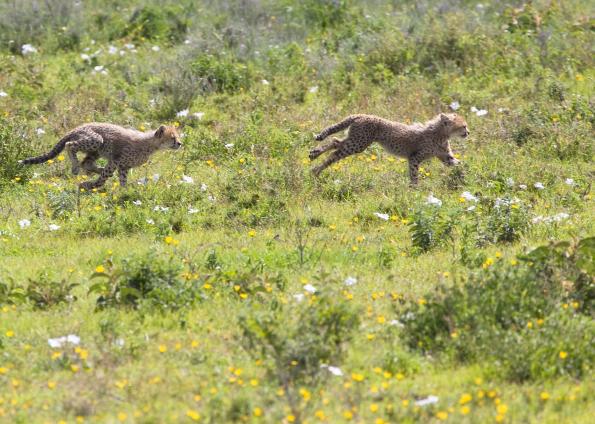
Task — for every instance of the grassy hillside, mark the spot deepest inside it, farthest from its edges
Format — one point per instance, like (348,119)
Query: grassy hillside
(226,284)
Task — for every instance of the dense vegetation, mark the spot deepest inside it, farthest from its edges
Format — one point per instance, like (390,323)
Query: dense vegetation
(226,284)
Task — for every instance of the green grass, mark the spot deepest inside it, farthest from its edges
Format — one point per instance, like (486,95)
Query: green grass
(262,227)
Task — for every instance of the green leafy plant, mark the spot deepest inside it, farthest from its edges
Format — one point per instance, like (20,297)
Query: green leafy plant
(146,280)
(45,292)
(430,228)
(497,304)
(296,340)
(13,148)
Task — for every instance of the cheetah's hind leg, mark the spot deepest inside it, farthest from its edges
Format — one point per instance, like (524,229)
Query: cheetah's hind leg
(89,164)
(72,148)
(334,144)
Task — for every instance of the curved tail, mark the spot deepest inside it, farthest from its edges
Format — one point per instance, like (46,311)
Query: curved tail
(337,127)
(49,155)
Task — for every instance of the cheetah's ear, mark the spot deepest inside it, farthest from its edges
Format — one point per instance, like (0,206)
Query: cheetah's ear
(444,118)
(160,131)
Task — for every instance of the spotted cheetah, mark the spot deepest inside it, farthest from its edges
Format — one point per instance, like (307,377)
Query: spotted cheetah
(416,142)
(123,148)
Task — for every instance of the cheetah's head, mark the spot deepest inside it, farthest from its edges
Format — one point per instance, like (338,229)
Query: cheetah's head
(168,137)
(455,124)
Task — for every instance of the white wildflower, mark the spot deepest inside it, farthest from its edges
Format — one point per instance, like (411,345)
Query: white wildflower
(53,227)
(469,197)
(509,182)
(523,186)
(99,68)
(538,186)
(481,112)
(264,82)
(3,94)
(560,217)
(58,342)
(192,210)
(119,342)
(150,221)
(431,200)
(310,288)
(383,216)
(155,48)
(28,49)
(198,115)
(187,179)
(160,209)
(203,187)
(229,146)
(24,223)
(313,89)
(471,208)
(454,105)
(155,178)
(137,202)
(427,401)
(129,46)
(473,109)
(333,370)
(298,297)
(569,181)
(350,281)
(142,181)
(182,113)
(549,219)
(85,57)
(112,50)
(40,131)
(186,42)
(396,323)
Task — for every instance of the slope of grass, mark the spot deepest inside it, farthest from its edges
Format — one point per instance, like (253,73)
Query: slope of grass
(253,292)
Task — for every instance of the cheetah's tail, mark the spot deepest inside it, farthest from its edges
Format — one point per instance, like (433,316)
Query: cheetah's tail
(49,155)
(336,128)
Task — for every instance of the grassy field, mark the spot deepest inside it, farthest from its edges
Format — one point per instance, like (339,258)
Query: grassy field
(226,284)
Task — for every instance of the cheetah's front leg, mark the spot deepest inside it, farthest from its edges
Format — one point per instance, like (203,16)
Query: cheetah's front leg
(414,161)
(123,174)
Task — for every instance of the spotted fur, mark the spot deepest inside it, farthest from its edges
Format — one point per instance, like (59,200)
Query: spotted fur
(123,148)
(416,142)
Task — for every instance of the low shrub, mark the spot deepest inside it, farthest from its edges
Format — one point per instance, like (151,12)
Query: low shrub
(13,147)
(297,339)
(497,306)
(45,292)
(430,227)
(146,280)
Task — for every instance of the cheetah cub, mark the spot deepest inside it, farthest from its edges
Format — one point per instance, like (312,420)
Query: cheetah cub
(123,148)
(416,142)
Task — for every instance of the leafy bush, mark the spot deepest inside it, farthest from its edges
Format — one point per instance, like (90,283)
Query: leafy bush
(157,23)
(508,219)
(11,294)
(146,280)
(13,147)
(297,340)
(497,305)
(45,292)
(559,345)
(30,21)
(222,74)
(430,228)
